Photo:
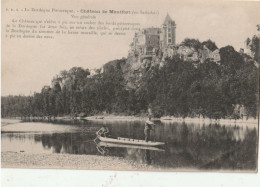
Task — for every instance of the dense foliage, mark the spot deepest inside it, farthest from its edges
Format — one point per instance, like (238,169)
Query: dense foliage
(179,88)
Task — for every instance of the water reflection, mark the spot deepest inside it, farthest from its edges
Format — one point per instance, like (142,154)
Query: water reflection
(187,145)
(148,157)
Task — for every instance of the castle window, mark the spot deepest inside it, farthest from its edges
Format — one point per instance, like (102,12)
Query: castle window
(169,40)
(169,34)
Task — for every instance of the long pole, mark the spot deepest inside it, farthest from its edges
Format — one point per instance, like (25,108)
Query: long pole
(154,133)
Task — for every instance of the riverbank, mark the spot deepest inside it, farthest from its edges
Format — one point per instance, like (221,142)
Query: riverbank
(69,161)
(210,121)
(165,119)
(116,118)
(171,119)
(5,122)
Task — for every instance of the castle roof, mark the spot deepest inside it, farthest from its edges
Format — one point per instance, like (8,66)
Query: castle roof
(167,19)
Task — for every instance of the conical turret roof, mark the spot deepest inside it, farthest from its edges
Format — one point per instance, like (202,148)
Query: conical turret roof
(167,19)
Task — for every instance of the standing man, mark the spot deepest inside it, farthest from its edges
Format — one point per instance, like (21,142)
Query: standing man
(148,127)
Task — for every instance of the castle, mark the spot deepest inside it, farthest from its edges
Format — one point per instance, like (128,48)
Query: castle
(149,40)
(161,42)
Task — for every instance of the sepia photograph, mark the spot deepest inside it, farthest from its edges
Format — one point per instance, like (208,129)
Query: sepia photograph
(134,86)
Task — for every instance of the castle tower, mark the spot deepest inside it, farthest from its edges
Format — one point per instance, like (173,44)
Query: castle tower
(167,36)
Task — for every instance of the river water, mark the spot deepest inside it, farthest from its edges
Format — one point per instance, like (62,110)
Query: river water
(192,146)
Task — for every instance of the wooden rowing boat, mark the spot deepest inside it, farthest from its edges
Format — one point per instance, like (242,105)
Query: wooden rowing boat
(107,144)
(129,141)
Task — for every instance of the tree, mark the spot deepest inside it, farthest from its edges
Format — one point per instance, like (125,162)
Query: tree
(195,43)
(254,45)
(179,88)
(210,45)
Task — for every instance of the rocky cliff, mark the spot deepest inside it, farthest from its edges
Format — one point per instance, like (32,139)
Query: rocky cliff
(137,63)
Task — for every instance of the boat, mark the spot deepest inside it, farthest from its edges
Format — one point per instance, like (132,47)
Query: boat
(129,141)
(107,144)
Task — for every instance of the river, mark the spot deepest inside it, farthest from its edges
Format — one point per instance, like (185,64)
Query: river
(192,146)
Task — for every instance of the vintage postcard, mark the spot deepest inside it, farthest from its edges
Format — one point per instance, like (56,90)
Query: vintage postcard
(130,85)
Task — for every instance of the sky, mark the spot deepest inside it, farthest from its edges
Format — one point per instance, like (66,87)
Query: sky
(29,64)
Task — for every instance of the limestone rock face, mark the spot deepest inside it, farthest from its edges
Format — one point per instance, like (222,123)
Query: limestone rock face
(191,54)
(135,65)
(133,71)
(188,53)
